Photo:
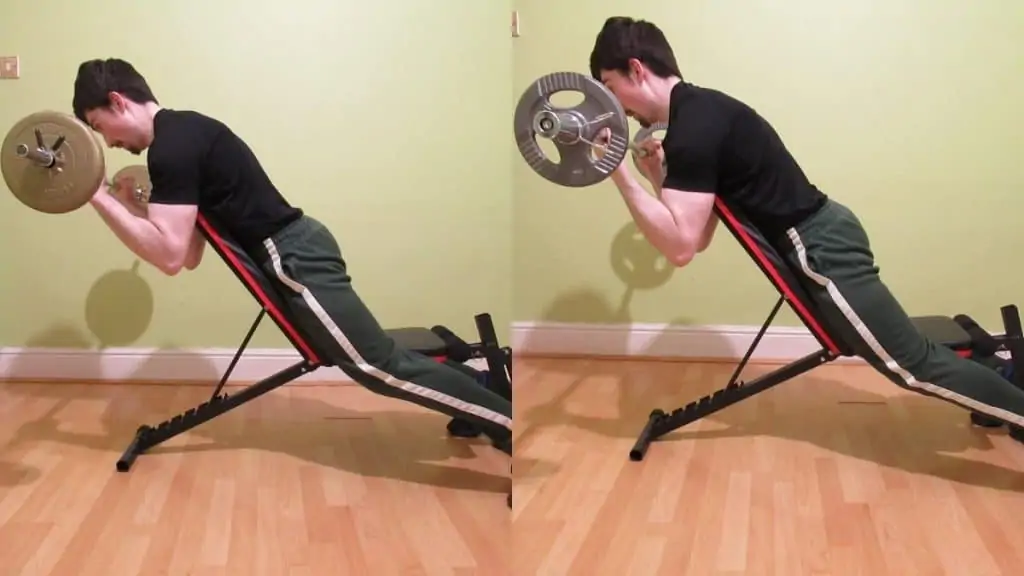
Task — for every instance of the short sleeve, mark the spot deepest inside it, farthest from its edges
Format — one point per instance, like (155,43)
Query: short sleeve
(174,169)
(693,147)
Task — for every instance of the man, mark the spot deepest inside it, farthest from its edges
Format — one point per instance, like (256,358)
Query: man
(716,145)
(197,164)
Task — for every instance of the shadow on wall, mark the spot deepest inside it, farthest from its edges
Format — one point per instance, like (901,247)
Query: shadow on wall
(119,307)
(118,311)
(639,266)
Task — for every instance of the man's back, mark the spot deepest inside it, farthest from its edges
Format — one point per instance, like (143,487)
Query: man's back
(720,144)
(197,159)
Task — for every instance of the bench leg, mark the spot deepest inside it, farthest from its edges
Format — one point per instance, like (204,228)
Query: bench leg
(149,436)
(498,377)
(985,421)
(1011,342)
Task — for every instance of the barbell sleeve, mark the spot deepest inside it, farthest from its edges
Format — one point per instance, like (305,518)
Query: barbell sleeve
(42,157)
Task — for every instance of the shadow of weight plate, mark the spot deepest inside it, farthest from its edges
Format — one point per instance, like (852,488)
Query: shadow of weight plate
(52,162)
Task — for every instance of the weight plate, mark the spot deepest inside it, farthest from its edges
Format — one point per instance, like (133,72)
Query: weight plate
(135,180)
(645,133)
(572,130)
(77,170)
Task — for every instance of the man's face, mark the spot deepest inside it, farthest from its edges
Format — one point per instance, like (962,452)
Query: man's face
(119,128)
(629,90)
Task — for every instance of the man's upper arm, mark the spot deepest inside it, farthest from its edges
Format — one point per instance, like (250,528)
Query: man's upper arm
(693,149)
(692,212)
(174,172)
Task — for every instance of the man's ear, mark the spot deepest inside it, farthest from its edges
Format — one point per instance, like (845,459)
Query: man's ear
(636,70)
(117,103)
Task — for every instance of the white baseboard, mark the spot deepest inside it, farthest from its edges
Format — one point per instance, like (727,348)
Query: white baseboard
(205,365)
(151,365)
(662,341)
(208,364)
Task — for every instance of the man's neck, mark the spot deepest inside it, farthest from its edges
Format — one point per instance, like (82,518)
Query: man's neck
(149,111)
(151,108)
(662,89)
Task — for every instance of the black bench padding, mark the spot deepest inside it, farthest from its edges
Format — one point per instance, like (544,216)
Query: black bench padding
(421,340)
(943,330)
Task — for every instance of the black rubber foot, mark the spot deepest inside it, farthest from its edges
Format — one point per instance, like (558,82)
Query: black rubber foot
(462,429)
(985,421)
(1017,433)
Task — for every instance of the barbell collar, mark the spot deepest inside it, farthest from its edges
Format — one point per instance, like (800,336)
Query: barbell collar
(40,156)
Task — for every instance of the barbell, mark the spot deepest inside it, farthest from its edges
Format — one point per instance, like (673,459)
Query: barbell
(574,130)
(53,163)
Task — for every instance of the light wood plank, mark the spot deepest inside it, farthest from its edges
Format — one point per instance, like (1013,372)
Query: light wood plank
(837,472)
(305,480)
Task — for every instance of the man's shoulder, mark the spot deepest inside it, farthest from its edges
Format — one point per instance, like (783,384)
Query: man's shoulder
(179,123)
(692,100)
(700,117)
(703,112)
(178,131)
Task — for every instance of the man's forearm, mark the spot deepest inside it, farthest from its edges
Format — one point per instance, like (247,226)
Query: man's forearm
(656,221)
(655,178)
(138,234)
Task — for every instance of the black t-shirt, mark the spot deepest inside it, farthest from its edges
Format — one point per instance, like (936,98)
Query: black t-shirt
(716,144)
(195,159)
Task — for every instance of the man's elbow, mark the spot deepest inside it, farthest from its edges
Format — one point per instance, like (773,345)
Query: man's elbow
(171,269)
(196,248)
(709,233)
(193,261)
(173,263)
(187,258)
(682,256)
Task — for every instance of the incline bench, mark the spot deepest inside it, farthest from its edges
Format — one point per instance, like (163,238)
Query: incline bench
(960,333)
(438,343)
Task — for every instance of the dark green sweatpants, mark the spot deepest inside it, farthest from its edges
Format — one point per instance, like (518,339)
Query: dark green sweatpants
(305,262)
(833,258)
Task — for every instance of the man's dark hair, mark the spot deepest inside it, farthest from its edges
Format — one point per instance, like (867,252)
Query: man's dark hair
(622,38)
(96,79)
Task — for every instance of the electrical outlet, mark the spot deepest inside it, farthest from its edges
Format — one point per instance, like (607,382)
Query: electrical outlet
(515,24)
(9,67)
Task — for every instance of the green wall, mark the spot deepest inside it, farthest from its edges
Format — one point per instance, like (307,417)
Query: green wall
(392,123)
(908,111)
(358,112)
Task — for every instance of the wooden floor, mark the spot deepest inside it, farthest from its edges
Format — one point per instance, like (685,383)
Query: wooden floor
(837,472)
(295,483)
(834,473)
